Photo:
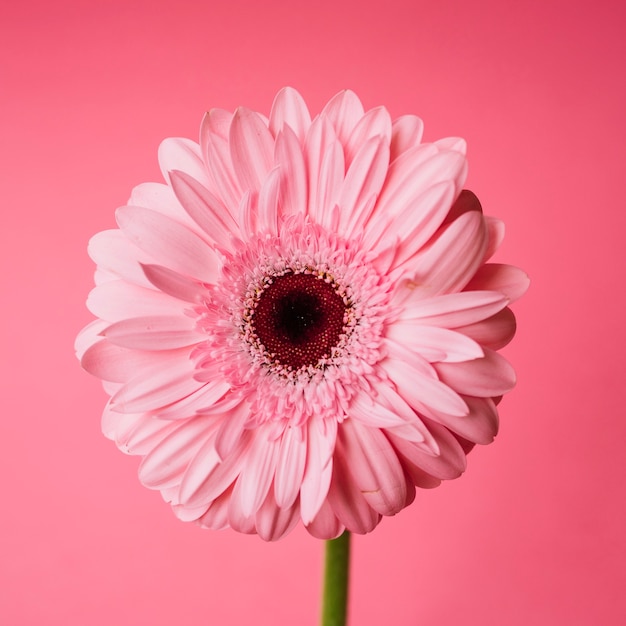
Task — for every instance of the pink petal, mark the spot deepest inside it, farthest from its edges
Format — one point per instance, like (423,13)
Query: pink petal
(209,395)
(154,332)
(204,208)
(216,516)
(418,385)
(319,467)
(415,171)
(231,429)
(489,376)
(182,154)
(168,379)
(421,219)
(433,343)
(251,148)
(112,251)
(374,466)
(256,476)
(344,112)
(289,108)
(114,363)
(248,215)
(347,501)
(375,123)
(214,132)
(363,180)
(174,245)
(268,203)
(450,262)
(458,144)
(118,300)
(165,465)
(448,310)
(272,522)
(89,335)
(406,133)
(325,168)
(507,279)
(290,466)
(207,476)
(325,525)
(293,182)
(139,434)
(495,230)
(175,285)
(495,332)
(448,464)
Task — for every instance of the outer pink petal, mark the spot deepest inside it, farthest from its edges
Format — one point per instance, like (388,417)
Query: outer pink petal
(448,464)
(417,383)
(448,310)
(293,182)
(216,516)
(256,476)
(114,363)
(173,244)
(139,434)
(206,210)
(89,335)
(175,285)
(214,132)
(495,332)
(268,203)
(210,395)
(414,172)
(207,476)
(289,108)
(154,332)
(420,220)
(290,466)
(231,429)
(183,154)
(112,251)
(251,148)
(507,279)
(168,379)
(118,300)
(272,522)
(346,499)
(344,112)
(375,123)
(165,465)
(325,525)
(487,377)
(434,343)
(374,466)
(321,438)
(325,168)
(363,181)
(450,262)
(406,133)
(496,229)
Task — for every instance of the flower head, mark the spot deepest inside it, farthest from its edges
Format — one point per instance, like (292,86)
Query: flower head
(301,324)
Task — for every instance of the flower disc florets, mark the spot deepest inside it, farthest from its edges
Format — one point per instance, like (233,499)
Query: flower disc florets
(302,323)
(306,323)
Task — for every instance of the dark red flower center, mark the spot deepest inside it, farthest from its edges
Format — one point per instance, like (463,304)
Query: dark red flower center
(299,319)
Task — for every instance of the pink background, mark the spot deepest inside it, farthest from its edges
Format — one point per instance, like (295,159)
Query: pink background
(534,532)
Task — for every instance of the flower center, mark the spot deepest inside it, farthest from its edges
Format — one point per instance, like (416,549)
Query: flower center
(299,319)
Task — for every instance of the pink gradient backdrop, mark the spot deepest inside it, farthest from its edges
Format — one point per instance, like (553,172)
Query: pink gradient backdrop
(534,532)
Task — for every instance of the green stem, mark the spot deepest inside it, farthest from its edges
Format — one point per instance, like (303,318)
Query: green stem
(336,574)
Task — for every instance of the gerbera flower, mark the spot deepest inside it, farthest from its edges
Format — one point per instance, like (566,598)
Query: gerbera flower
(301,323)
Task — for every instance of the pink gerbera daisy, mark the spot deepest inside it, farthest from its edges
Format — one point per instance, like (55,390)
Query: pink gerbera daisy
(301,323)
